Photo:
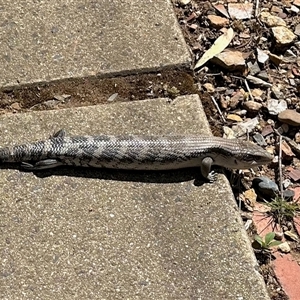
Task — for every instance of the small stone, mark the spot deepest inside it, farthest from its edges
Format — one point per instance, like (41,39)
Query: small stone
(294,174)
(16,106)
(289,116)
(221,8)
(263,75)
(265,187)
(257,93)
(292,235)
(236,99)
(233,117)
(209,87)
(297,137)
(288,195)
(294,9)
(287,152)
(262,57)
(259,139)
(228,133)
(240,11)
(245,127)
(284,247)
(296,2)
(252,106)
(230,60)
(184,2)
(217,22)
(276,92)
(253,68)
(283,36)
(297,29)
(276,107)
(250,197)
(275,59)
(258,81)
(113,97)
(271,20)
(286,183)
(268,129)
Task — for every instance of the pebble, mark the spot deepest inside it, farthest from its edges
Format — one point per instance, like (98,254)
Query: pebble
(259,139)
(283,36)
(288,195)
(276,92)
(252,106)
(235,118)
(289,116)
(271,20)
(217,22)
(258,81)
(265,187)
(276,107)
(262,57)
(284,247)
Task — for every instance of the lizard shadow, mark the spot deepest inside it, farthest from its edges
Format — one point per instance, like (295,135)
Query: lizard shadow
(166,176)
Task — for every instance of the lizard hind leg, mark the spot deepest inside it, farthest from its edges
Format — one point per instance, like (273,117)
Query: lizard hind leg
(41,165)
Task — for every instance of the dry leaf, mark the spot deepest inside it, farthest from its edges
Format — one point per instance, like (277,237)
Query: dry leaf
(219,45)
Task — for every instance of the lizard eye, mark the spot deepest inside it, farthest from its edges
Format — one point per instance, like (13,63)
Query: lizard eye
(248,157)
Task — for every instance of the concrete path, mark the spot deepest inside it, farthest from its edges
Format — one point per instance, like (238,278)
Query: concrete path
(92,234)
(54,40)
(96,234)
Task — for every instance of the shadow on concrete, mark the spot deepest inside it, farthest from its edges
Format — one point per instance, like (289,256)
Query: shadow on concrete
(168,176)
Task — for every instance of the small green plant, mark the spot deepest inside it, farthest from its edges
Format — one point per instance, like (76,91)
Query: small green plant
(283,211)
(265,244)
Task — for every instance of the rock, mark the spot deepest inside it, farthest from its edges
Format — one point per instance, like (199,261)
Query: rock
(112,97)
(236,99)
(289,116)
(240,11)
(276,107)
(184,2)
(259,139)
(287,152)
(262,57)
(228,133)
(283,36)
(233,117)
(263,75)
(284,247)
(275,59)
(253,68)
(209,87)
(265,187)
(257,93)
(250,197)
(271,20)
(221,8)
(294,174)
(257,81)
(230,60)
(297,137)
(252,106)
(276,92)
(16,106)
(268,129)
(245,126)
(297,30)
(288,195)
(217,22)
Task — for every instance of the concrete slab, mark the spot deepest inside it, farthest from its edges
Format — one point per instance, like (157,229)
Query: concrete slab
(49,40)
(94,234)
